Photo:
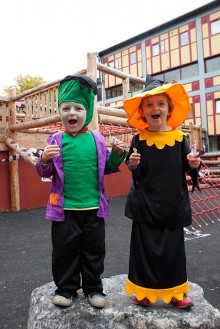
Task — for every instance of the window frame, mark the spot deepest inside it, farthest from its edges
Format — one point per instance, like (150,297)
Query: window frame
(131,59)
(217,106)
(183,40)
(156,47)
(215,26)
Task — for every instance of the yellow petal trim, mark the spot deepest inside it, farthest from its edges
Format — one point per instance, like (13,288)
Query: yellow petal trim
(162,138)
(154,294)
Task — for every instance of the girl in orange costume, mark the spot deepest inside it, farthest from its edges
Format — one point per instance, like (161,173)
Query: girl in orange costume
(158,201)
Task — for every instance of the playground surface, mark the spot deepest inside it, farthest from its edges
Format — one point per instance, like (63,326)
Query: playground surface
(25,258)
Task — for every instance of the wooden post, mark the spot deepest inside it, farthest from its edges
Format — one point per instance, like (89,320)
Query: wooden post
(4,118)
(92,73)
(125,88)
(13,165)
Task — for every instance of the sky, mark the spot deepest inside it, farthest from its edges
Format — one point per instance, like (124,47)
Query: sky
(51,38)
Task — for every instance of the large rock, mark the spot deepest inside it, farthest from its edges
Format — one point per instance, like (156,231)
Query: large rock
(120,313)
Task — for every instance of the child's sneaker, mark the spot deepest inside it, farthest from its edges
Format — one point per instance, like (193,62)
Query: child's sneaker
(186,303)
(62,301)
(143,302)
(97,299)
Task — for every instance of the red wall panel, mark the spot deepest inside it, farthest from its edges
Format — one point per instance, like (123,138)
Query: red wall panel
(34,193)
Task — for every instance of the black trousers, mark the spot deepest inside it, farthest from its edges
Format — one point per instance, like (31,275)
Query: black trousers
(78,252)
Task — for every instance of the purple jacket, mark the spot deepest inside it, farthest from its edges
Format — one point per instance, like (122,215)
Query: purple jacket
(55,211)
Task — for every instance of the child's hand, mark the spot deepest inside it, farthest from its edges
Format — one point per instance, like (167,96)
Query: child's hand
(118,146)
(134,160)
(194,160)
(50,152)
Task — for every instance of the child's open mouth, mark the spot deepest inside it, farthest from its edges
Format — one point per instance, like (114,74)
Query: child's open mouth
(155,116)
(72,122)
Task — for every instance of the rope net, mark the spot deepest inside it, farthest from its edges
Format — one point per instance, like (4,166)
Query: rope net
(205,203)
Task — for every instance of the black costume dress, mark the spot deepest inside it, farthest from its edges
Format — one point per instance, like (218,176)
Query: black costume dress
(159,204)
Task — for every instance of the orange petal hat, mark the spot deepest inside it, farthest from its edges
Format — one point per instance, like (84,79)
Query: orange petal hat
(177,94)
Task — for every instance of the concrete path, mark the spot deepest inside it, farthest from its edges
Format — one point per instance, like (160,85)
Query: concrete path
(25,258)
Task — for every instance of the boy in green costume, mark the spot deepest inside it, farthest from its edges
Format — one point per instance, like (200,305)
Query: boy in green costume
(78,159)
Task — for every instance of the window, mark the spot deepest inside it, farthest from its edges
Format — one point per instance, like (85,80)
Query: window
(190,116)
(108,93)
(217,106)
(181,73)
(155,49)
(117,63)
(212,64)
(159,77)
(134,87)
(162,46)
(114,64)
(158,48)
(111,64)
(133,58)
(99,96)
(114,92)
(214,143)
(189,71)
(172,75)
(184,38)
(215,27)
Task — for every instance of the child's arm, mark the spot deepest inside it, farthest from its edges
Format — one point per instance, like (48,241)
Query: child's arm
(194,164)
(43,165)
(50,152)
(194,160)
(134,157)
(134,160)
(118,147)
(117,155)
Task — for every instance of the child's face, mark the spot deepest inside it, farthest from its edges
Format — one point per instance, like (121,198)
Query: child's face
(73,116)
(155,110)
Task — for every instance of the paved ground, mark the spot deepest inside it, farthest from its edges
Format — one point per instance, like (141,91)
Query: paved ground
(25,258)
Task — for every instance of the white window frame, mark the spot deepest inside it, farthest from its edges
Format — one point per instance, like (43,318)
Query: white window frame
(133,57)
(112,64)
(215,27)
(155,49)
(162,46)
(217,106)
(184,38)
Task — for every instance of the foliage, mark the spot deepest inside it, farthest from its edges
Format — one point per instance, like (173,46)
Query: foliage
(25,82)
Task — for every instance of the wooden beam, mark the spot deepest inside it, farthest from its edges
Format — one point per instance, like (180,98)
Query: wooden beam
(119,74)
(211,155)
(110,120)
(40,131)
(112,111)
(35,123)
(91,72)
(4,99)
(211,162)
(22,151)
